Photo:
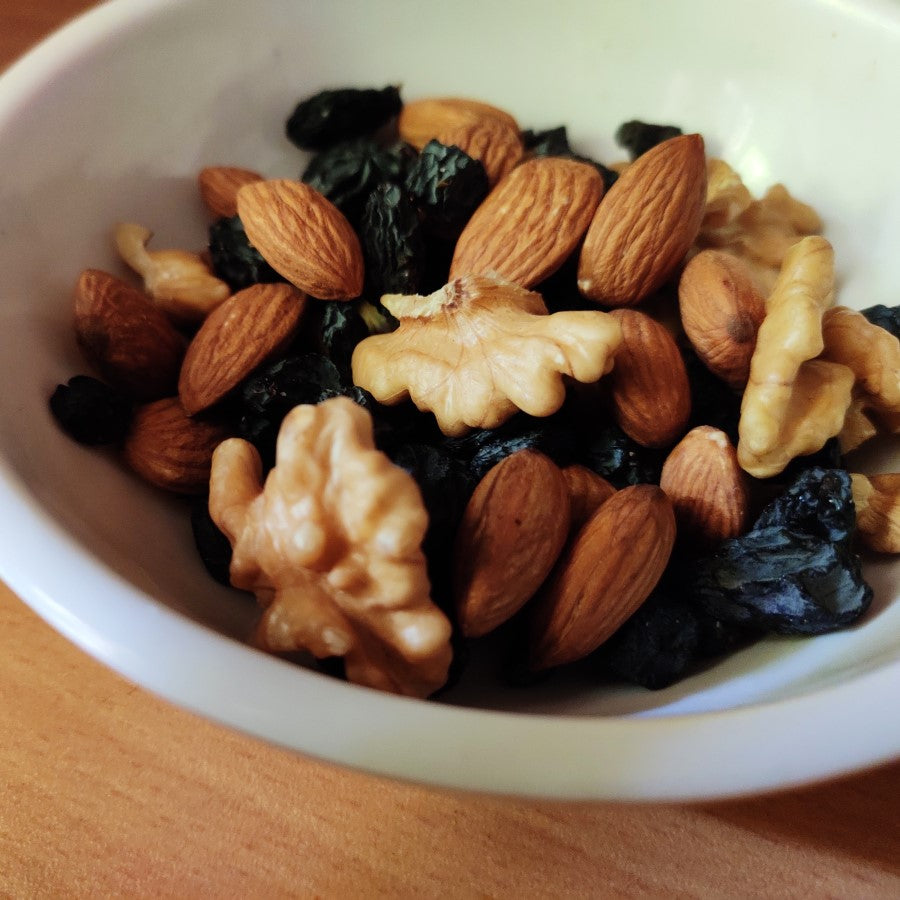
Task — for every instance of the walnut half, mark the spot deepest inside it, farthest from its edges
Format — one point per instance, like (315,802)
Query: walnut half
(331,546)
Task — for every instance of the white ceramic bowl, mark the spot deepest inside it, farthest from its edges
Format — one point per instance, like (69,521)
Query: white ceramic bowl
(111,118)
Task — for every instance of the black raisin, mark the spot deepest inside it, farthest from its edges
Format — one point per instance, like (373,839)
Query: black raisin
(348,172)
(448,185)
(90,411)
(638,137)
(887,317)
(555,142)
(338,115)
(393,242)
(234,259)
(713,402)
(619,459)
(333,329)
(214,548)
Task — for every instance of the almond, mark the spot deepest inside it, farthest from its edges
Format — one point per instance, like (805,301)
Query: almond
(171,450)
(721,311)
(588,491)
(219,186)
(707,487)
(485,132)
(128,338)
(531,222)
(649,387)
(304,237)
(248,329)
(646,224)
(608,571)
(511,534)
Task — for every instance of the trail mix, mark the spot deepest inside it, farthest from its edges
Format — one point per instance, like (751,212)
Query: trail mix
(461,383)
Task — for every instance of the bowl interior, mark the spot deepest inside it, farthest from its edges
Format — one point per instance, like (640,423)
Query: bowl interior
(112,119)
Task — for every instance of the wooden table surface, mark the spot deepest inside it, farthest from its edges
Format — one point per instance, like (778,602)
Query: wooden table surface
(107,791)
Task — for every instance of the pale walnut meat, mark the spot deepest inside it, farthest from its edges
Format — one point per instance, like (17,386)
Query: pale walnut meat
(877,502)
(331,546)
(873,355)
(726,195)
(793,402)
(479,349)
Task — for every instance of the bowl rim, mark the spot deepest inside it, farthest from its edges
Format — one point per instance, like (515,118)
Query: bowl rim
(681,757)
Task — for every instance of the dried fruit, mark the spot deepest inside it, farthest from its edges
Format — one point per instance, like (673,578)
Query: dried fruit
(90,411)
(234,259)
(248,329)
(638,137)
(530,223)
(304,237)
(610,568)
(511,533)
(646,224)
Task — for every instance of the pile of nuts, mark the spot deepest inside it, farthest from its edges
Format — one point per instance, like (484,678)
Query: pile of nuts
(330,541)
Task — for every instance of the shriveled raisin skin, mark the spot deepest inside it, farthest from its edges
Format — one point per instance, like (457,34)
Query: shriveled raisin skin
(638,137)
(338,115)
(622,461)
(90,411)
(234,259)
(447,185)
(887,317)
(555,142)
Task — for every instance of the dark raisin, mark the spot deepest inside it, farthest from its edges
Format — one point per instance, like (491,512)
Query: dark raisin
(887,317)
(619,459)
(448,185)
(333,329)
(348,172)
(638,137)
(393,242)
(713,402)
(90,411)
(555,142)
(234,259)
(214,548)
(338,115)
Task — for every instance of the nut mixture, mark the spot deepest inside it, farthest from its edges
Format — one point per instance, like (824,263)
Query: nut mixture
(458,383)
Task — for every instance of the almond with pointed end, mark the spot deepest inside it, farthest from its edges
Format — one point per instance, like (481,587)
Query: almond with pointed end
(171,450)
(511,534)
(531,222)
(646,224)
(650,391)
(219,186)
(707,487)
(126,336)
(304,237)
(485,132)
(608,571)
(588,491)
(249,328)
(721,311)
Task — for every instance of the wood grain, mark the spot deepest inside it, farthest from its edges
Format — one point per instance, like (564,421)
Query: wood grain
(109,792)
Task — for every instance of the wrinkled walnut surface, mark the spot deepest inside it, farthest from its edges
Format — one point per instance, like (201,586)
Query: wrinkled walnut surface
(331,546)
(479,349)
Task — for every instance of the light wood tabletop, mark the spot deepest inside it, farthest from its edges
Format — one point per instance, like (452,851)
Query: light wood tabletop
(108,791)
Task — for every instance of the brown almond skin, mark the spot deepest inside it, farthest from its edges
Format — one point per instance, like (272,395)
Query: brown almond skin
(531,222)
(304,237)
(608,571)
(171,450)
(707,487)
(721,310)
(219,186)
(645,224)
(128,338)
(588,491)
(649,388)
(513,529)
(249,328)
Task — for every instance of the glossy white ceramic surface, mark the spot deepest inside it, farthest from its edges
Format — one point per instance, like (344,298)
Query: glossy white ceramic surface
(110,120)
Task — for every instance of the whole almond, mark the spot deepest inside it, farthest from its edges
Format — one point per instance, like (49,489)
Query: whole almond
(219,186)
(588,491)
(248,329)
(649,387)
(531,222)
(645,224)
(487,133)
(171,450)
(707,487)
(511,534)
(721,311)
(126,336)
(608,571)
(304,237)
